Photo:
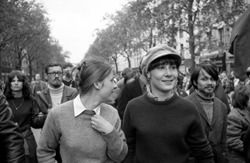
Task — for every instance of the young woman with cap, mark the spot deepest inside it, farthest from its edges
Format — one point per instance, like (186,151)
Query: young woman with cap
(159,125)
(88,130)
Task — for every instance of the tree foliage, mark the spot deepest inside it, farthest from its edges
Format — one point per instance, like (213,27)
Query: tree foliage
(25,39)
(142,24)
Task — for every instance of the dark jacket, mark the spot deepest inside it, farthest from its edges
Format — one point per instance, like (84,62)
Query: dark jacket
(246,145)
(11,140)
(217,130)
(129,92)
(43,100)
(220,94)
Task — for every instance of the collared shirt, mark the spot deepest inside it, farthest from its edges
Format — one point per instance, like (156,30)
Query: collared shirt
(79,107)
(156,98)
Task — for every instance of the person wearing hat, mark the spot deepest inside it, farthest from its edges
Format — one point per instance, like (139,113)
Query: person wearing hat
(160,126)
(132,90)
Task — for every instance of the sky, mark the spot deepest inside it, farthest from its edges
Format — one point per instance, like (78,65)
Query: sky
(74,22)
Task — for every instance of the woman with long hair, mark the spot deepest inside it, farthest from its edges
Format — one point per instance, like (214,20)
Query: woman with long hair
(88,129)
(18,94)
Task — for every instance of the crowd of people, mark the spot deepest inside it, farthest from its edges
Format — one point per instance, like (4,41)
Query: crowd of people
(88,114)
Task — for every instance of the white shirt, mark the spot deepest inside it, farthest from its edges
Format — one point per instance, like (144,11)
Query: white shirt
(79,107)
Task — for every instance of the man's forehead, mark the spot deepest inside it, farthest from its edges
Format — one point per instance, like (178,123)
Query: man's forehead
(55,68)
(204,73)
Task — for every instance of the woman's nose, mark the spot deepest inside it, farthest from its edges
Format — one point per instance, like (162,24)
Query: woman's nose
(167,71)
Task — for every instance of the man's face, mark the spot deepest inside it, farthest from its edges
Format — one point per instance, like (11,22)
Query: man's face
(67,72)
(205,83)
(37,77)
(55,76)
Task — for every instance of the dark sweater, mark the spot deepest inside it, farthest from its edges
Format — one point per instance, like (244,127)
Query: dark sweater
(164,131)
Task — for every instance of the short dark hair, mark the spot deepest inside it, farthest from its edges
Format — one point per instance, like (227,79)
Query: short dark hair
(26,87)
(68,65)
(168,59)
(51,65)
(241,96)
(210,68)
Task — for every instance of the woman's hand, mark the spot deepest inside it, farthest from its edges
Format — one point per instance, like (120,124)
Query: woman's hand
(102,125)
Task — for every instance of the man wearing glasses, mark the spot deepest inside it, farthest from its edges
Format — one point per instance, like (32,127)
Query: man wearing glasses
(56,93)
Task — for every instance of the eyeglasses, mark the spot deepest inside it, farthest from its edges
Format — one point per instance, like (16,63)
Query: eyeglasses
(55,73)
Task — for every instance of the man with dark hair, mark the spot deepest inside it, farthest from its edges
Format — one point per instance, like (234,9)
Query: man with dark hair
(11,139)
(56,93)
(211,109)
(67,75)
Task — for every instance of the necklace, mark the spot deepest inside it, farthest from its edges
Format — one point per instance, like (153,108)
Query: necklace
(19,105)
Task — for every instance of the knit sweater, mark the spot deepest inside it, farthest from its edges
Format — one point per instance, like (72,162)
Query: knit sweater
(164,131)
(79,142)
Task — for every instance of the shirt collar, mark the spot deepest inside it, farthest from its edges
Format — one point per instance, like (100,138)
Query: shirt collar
(150,94)
(79,107)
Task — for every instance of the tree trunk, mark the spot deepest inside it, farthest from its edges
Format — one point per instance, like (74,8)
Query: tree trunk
(191,34)
(129,63)
(1,67)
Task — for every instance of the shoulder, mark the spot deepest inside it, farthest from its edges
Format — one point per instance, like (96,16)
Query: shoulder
(70,89)
(186,103)
(234,113)
(108,111)
(217,102)
(138,100)
(108,108)
(63,108)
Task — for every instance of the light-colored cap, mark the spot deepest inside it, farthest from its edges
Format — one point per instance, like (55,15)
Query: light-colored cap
(160,51)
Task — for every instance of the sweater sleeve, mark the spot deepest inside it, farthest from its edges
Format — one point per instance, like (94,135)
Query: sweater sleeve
(130,136)
(198,143)
(49,140)
(116,142)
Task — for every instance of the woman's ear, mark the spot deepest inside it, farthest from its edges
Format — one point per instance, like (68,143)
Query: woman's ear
(148,75)
(195,83)
(97,85)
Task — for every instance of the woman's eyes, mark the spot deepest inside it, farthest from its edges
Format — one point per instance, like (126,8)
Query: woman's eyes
(170,67)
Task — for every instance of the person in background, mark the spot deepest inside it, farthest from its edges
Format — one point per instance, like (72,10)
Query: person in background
(126,71)
(38,85)
(129,77)
(132,90)
(228,86)
(88,129)
(67,76)
(11,140)
(159,125)
(55,94)
(212,110)
(21,102)
(177,89)
(218,91)
(238,122)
